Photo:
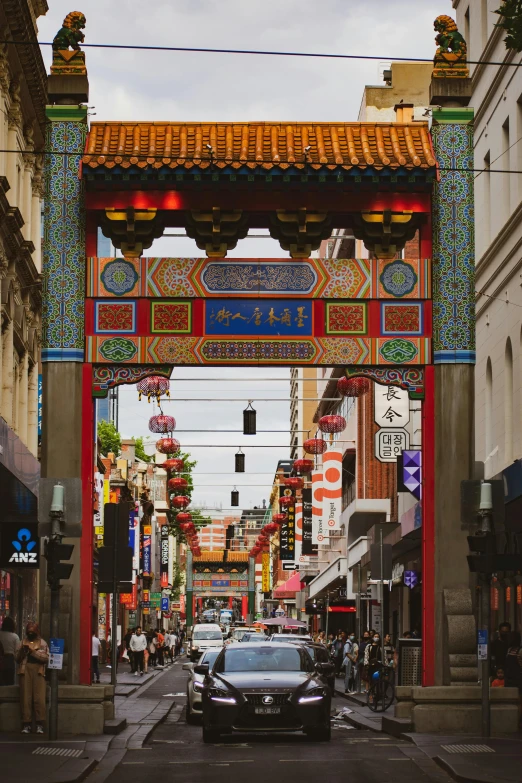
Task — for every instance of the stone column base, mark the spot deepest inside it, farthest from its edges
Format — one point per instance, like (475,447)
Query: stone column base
(457,709)
(82,709)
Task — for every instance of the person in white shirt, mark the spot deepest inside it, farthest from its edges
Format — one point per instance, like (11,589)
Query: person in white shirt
(138,643)
(9,646)
(95,653)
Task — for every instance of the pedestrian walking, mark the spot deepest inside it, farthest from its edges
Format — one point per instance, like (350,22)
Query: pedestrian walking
(128,651)
(373,657)
(351,654)
(9,646)
(138,643)
(95,657)
(32,658)
(338,647)
(362,669)
(151,647)
(160,647)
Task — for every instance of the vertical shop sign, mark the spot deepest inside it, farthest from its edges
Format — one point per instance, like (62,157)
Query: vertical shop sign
(317,507)
(164,556)
(298,531)
(172,557)
(332,489)
(265,578)
(308,547)
(146,551)
(287,531)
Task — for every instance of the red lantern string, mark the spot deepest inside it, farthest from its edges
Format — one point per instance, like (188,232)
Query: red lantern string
(153,386)
(353,387)
(177,483)
(173,465)
(168,446)
(303,466)
(315,446)
(162,423)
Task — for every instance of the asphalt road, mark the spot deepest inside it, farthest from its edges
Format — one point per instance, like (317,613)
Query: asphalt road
(175,751)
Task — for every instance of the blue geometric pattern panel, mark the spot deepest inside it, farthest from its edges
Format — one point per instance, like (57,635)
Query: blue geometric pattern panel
(412,472)
(64,237)
(454,239)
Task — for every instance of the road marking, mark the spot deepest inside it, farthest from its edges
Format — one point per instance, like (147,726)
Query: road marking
(214,764)
(399,759)
(171,742)
(132,762)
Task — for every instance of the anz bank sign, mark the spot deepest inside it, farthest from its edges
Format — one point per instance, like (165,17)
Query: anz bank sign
(19,546)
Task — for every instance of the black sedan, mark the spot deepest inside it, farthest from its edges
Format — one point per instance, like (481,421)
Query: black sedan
(265,687)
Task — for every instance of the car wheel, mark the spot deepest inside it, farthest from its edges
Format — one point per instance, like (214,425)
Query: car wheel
(210,735)
(320,735)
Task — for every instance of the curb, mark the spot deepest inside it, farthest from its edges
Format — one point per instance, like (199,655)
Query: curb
(447,767)
(357,720)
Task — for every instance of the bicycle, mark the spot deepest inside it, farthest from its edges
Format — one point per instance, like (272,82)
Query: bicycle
(381,693)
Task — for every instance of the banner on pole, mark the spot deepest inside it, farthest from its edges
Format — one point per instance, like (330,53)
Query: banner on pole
(308,548)
(265,578)
(317,507)
(298,531)
(332,489)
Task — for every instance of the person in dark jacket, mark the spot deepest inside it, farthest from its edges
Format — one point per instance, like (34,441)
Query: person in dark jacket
(499,647)
(513,667)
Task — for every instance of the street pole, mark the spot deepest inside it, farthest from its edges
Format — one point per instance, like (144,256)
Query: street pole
(358,605)
(486,513)
(381,585)
(114,619)
(327,612)
(56,537)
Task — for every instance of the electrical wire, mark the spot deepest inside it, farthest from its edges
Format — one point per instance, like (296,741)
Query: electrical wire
(258,52)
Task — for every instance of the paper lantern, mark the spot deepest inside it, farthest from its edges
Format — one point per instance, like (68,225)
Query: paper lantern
(173,465)
(183,518)
(162,423)
(353,387)
(294,482)
(153,386)
(286,501)
(167,446)
(240,462)
(303,466)
(332,423)
(180,501)
(315,446)
(234,497)
(178,484)
(278,519)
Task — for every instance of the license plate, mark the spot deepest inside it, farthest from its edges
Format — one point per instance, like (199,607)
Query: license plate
(268,710)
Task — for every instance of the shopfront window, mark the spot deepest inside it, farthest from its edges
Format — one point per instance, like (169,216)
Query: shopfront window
(5,595)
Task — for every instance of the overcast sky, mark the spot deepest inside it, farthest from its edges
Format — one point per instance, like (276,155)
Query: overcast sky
(139,85)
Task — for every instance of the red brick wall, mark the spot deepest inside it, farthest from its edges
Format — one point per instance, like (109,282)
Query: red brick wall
(374,479)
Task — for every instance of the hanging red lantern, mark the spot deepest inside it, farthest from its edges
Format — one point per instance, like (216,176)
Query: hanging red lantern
(183,518)
(162,423)
(315,446)
(278,519)
(184,527)
(153,386)
(294,482)
(173,465)
(180,501)
(271,528)
(177,484)
(303,466)
(332,423)
(167,446)
(353,387)
(286,501)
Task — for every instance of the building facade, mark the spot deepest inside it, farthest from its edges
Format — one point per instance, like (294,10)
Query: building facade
(22,127)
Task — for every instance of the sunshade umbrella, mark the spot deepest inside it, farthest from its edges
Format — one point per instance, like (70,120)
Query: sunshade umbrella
(260,625)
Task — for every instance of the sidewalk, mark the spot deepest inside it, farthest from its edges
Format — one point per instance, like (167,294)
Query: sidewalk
(26,758)
(465,758)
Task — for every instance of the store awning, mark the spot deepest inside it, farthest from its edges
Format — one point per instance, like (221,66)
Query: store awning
(293,585)
(331,577)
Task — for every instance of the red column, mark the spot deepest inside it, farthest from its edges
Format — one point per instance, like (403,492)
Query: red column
(87,539)
(244,606)
(230,602)
(428,529)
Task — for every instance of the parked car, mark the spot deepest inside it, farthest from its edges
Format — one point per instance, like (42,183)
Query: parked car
(205,636)
(265,687)
(195,686)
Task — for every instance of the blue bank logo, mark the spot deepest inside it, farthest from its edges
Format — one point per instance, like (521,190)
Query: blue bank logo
(25,546)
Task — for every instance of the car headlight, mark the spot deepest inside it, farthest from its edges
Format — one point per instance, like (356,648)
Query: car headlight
(221,696)
(197,686)
(195,647)
(315,694)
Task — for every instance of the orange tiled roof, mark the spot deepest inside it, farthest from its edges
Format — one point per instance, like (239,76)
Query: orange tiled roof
(237,557)
(259,144)
(210,556)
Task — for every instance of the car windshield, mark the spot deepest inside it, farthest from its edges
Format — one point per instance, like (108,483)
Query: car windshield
(207,635)
(285,637)
(265,659)
(210,657)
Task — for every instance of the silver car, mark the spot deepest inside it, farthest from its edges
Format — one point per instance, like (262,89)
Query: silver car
(194,685)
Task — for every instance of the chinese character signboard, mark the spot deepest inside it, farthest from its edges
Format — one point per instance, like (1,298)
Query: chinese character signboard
(265,574)
(332,489)
(278,317)
(390,443)
(392,406)
(287,531)
(146,551)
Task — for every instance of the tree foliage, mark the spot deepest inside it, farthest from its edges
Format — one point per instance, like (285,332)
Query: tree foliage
(110,438)
(140,450)
(510,13)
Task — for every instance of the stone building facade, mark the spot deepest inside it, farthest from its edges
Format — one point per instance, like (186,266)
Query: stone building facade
(23,90)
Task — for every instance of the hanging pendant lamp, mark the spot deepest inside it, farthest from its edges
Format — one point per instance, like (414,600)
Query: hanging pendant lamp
(234,497)
(249,420)
(240,462)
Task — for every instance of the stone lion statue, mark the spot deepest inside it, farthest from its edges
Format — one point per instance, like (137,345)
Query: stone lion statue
(70,34)
(451,55)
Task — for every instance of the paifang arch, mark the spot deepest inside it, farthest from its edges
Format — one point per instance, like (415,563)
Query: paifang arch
(111,321)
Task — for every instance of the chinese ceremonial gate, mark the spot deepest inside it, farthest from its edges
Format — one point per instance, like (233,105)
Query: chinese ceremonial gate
(404,321)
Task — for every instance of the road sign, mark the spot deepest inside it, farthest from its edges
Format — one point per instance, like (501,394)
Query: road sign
(482,645)
(392,406)
(389,443)
(165,604)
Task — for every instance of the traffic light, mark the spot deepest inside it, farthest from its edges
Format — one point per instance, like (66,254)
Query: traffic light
(55,552)
(486,560)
